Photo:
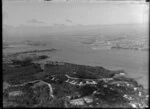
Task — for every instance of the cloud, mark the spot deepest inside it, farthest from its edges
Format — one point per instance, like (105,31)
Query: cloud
(48,0)
(35,21)
(68,21)
(4,15)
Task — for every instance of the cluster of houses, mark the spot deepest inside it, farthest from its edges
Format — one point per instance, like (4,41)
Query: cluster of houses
(77,81)
(82,101)
(80,83)
(15,93)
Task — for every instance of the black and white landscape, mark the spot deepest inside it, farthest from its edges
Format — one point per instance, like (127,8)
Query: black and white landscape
(68,53)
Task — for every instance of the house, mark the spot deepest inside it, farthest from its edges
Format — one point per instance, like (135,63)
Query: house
(91,82)
(79,101)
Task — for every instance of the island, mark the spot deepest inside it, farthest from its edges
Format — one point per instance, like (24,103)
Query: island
(37,82)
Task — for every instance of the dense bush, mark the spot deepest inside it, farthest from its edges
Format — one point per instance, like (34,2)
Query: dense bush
(61,78)
(21,74)
(81,73)
(25,62)
(56,103)
(43,57)
(87,90)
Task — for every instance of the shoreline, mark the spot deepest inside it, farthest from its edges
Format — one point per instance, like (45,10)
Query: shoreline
(57,58)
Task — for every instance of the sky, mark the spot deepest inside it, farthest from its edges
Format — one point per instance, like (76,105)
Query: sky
(38,13)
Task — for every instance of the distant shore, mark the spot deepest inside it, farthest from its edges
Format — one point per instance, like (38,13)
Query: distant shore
(34,51)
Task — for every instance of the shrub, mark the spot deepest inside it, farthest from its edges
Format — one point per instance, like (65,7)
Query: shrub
(43,57)
(25,62)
